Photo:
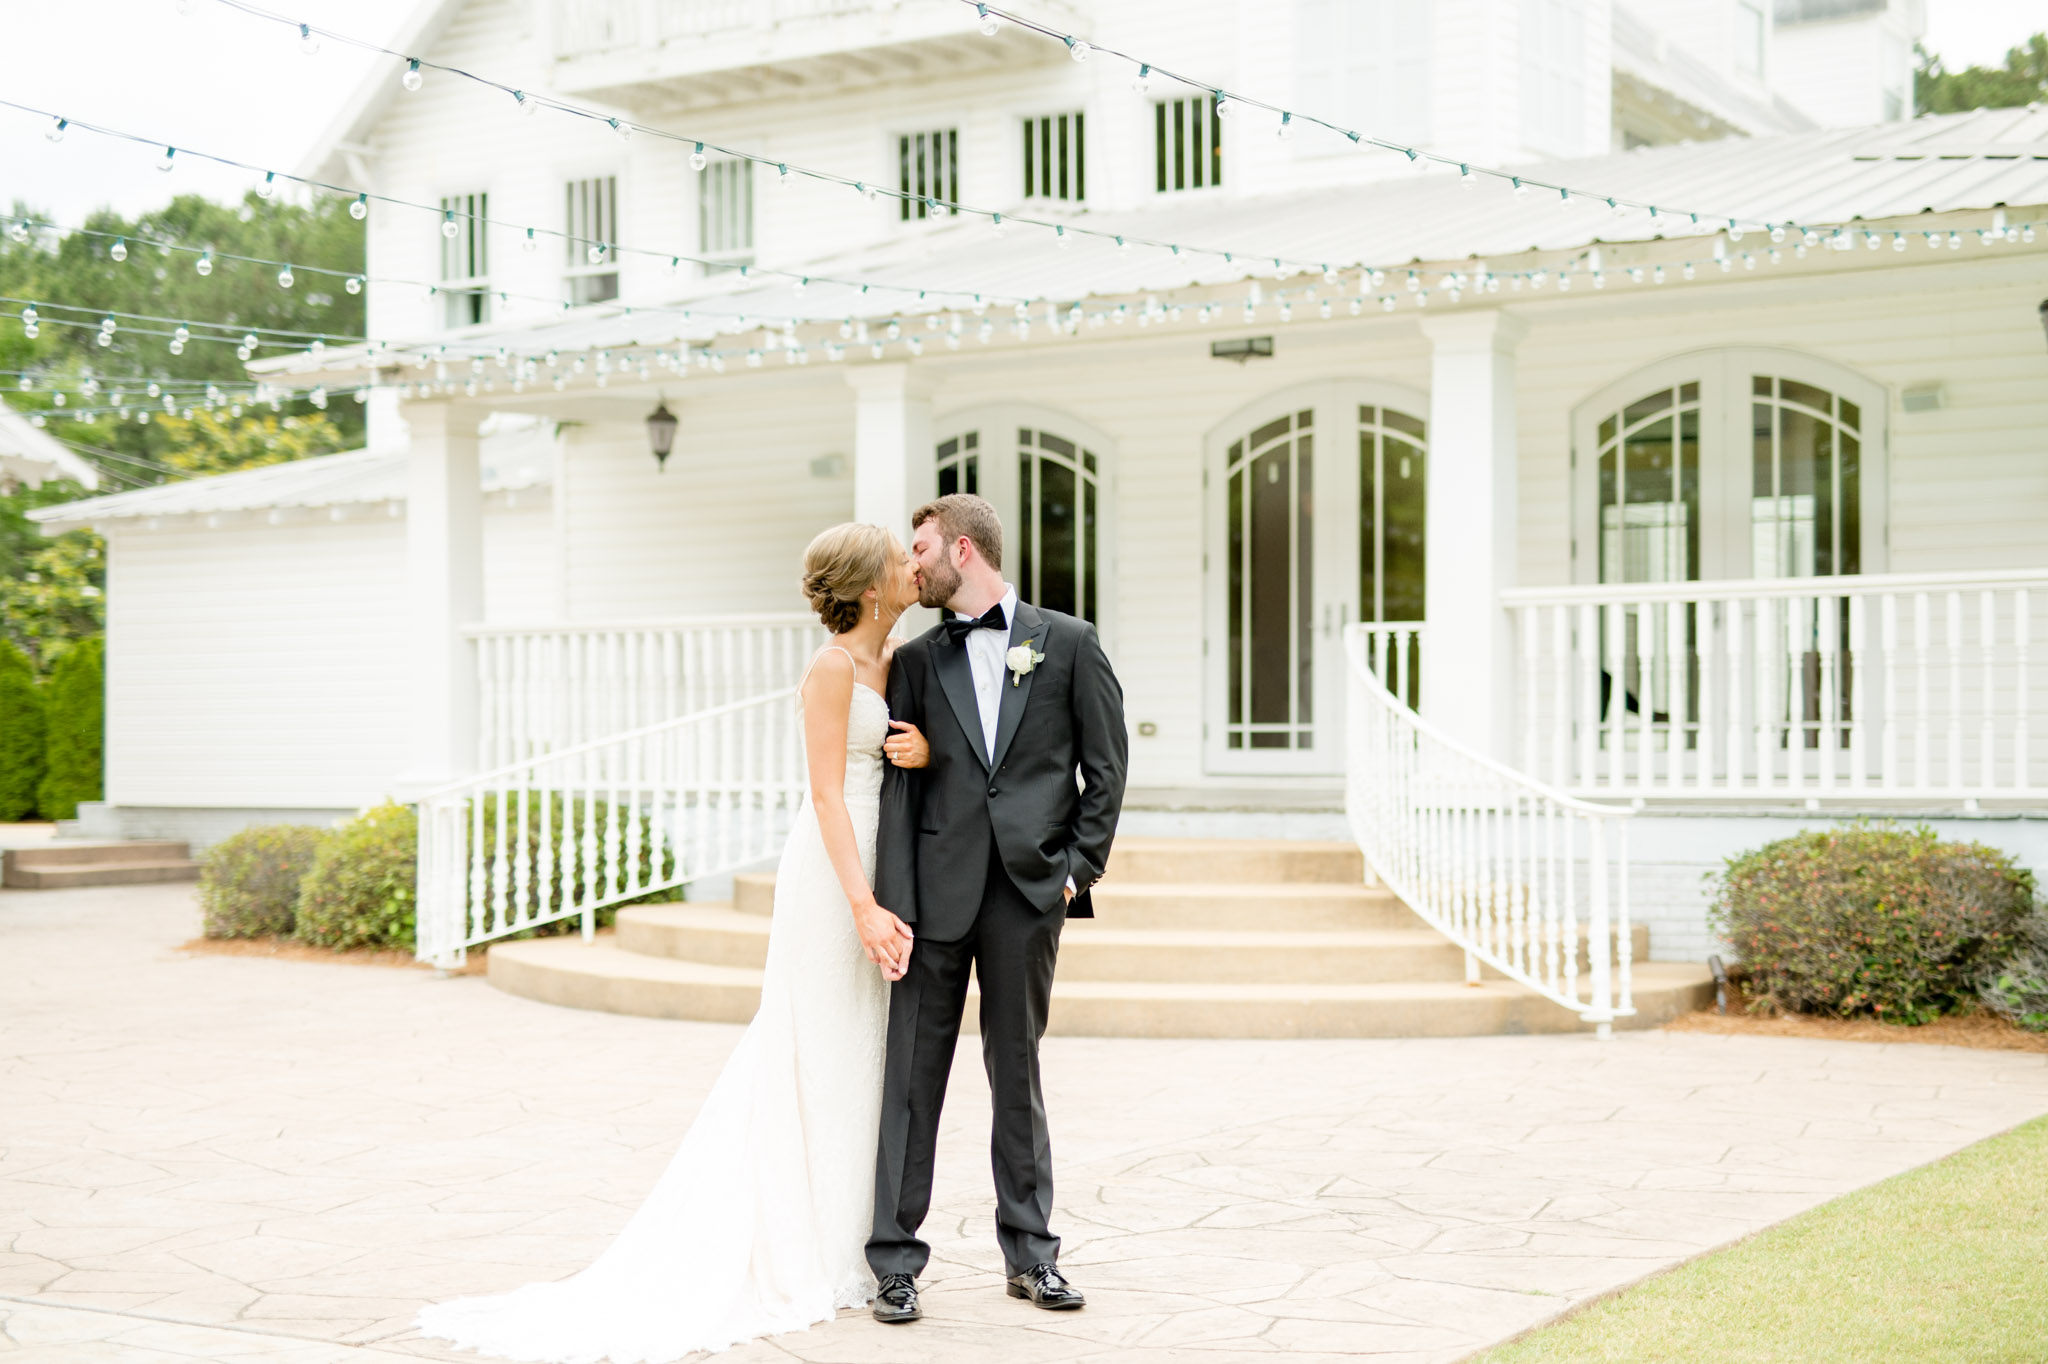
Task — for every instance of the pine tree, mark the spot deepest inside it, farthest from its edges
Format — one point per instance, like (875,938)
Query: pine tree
(75,730)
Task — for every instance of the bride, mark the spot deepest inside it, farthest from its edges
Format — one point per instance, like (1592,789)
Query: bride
(759,1223)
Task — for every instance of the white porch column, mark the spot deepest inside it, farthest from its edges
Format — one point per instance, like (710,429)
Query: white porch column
(1468,659)
(893,467)
(445,584)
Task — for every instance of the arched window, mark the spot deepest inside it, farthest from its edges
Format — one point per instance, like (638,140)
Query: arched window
(1805,486)
(1048,490)
(1649,460)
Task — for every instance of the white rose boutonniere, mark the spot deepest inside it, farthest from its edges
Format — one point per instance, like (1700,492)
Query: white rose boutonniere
(1021,660)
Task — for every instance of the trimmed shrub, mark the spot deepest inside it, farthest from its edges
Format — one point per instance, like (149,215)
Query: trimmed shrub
(2017,987)
(359,892)
(1870,920)
(22,734)
(76,717)
(249,881)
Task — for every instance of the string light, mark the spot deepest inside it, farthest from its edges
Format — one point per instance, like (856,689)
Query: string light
(412,80)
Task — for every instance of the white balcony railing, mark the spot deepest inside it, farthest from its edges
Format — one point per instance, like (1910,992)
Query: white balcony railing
(545,688)
(585,28)
(1892,686)
(1393,650)
(565,834)
(1526,879)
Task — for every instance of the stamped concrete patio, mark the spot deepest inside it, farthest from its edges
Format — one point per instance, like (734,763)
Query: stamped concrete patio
(220,1158)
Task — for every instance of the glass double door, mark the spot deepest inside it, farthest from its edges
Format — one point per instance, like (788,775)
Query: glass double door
(1047,488)
(1315,521)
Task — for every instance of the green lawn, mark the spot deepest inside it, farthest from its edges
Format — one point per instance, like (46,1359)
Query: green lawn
(1947,1264)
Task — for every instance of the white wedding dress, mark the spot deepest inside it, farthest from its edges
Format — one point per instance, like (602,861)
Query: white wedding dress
(760,1222)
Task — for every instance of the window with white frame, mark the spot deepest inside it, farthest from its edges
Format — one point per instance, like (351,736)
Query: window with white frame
(1052,512)
(591,215)
(928,173)
(1055,166)
(1553,75)
(1187,144)
(465,261)
(1751,28)
(725,214)
(1368,62)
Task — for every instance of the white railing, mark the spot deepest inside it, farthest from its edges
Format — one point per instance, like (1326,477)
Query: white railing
(1393,650)
(568,833)
(1892,686)
(587,27)
(544,688)
(1527,880)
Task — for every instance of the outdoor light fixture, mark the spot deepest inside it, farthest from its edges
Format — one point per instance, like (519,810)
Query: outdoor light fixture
(661,433)
(1243,349)
(2044,315)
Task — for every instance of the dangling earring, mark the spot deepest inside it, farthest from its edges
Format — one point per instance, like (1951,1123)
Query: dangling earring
(878,608)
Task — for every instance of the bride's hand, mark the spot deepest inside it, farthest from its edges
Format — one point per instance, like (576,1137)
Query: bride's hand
(909,748)
(885,938)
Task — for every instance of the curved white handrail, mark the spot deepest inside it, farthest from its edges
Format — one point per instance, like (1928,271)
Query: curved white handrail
(562,835)
(1528,880)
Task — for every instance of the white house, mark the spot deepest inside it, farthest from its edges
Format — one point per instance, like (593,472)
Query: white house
(31,456)
(1730,529)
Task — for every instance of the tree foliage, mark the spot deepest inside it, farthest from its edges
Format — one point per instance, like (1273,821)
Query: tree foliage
(50,589)
(75,718)
(21,734)
(79,270)
(2022,80)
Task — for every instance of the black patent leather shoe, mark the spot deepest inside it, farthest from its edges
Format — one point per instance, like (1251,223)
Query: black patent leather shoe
(896,1299)
(1044,1286)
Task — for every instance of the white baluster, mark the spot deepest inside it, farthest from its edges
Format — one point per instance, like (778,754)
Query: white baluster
(1987,664)
(1955,691)
(2023,698)
(1859,708)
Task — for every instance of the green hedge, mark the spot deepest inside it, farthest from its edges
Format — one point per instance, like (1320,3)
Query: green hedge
(75,698)
(1870,920)
(249,881)
(23,733)
(2017,987)
(359,892)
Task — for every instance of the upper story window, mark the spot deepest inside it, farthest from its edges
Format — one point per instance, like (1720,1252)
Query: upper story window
(1187,144)
(1366,62)
(1055,166)
(465,262)
(1750,28)
(1553,75)
(725,214)
(928,170)
(592,218)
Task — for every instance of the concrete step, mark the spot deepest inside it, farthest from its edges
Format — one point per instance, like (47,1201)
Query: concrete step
(1191,861)
(126,873)
(84,852)
(601,975)
(718,935)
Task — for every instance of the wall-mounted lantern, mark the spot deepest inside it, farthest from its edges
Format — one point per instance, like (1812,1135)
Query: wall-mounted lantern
(661,433)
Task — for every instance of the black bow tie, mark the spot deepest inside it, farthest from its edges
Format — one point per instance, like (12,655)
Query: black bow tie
(992,619)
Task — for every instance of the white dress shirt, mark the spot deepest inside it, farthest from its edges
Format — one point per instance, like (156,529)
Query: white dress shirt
(985,650)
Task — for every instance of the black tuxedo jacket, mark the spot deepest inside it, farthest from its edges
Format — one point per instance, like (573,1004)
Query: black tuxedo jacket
(939,823)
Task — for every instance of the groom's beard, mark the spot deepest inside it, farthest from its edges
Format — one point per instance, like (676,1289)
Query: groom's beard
(937,584)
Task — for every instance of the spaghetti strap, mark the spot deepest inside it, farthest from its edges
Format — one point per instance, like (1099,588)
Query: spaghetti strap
(828,649)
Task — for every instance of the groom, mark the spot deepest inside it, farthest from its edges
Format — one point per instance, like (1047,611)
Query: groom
(987,850)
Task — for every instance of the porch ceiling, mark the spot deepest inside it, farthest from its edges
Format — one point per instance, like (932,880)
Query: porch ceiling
(1881,174)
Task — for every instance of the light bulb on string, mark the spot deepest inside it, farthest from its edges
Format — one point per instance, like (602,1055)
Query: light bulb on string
(525,103)
(1285,132)
(412,80)
(595,253)
(285,278)
(1466,179)
(1061,239)
(268,189)
(164,162)
(1078,50)
(698,161)
(204,265)
(56,130)
(359,207)
(990,24)
(1141,84)
(529,243)
(623,129)
(449,227)
(1955,241)
(309,41)
(354,284)
(1224,107)
(782,175)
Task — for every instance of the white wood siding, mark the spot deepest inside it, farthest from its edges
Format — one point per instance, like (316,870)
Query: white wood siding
(265,666)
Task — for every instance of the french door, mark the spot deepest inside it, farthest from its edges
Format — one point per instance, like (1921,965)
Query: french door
(1314,521)
(1045,479)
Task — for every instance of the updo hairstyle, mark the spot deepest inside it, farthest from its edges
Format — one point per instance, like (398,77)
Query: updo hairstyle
(841,564)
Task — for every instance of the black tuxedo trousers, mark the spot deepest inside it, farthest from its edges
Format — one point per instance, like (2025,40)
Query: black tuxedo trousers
(975,853)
